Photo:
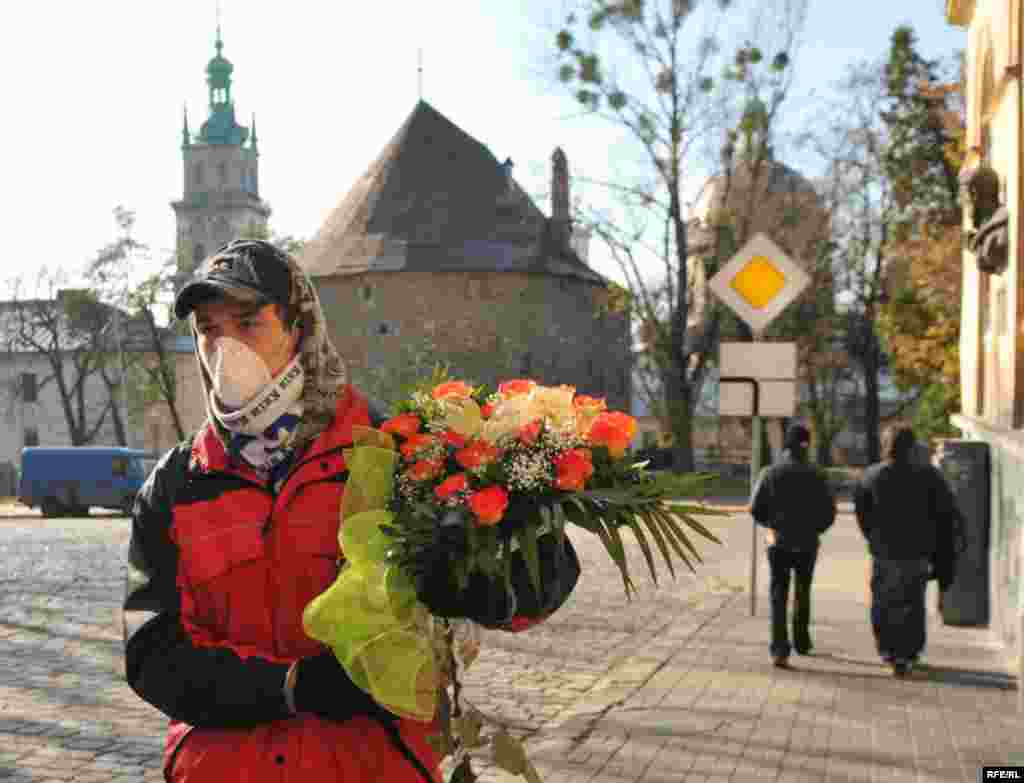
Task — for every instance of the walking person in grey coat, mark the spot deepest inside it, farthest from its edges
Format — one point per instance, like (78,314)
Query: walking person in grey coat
(908,516)
(793,500)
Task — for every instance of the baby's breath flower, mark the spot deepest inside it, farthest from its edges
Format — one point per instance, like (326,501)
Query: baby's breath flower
(528,471)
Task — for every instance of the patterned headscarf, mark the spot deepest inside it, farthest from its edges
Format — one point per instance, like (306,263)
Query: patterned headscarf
(324,369)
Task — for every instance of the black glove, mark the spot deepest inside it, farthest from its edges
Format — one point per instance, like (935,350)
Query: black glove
(486,599)
(323,687)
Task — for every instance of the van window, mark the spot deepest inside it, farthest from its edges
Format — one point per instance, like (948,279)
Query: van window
(120,466)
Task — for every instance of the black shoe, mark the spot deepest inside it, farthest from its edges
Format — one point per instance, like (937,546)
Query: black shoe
(805,649)
(901,667)
(780,661)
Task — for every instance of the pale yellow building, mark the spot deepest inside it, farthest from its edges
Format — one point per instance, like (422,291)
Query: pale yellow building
(992,312)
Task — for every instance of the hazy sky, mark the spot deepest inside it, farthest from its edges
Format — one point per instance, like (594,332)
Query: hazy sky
(94,95)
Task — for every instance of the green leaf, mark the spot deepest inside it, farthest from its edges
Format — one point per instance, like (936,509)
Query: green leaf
(563,40)
(670,536)
(619,558)
(566,74)
(641,539)
(659,539)
(528,543)
(693,523)
(558,522)
(673,523)
(615,537)
(617,100)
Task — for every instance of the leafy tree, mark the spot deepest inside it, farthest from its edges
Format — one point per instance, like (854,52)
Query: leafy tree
(920,321)
(677,97)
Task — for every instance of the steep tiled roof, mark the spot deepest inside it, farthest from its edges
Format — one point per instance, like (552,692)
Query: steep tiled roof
(436,199)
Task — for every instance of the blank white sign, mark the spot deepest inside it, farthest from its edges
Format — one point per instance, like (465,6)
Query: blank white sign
(775,361)
(776,399)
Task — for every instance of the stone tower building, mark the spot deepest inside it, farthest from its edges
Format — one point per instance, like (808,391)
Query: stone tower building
(220,200)
(436,255)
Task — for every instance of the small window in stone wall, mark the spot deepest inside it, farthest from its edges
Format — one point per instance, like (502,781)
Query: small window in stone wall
(366,293)
(222,173)
(384,329)
(31,436)
(197,175)
(29,387)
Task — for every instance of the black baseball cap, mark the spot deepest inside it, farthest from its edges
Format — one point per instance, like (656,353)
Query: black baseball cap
(247,269)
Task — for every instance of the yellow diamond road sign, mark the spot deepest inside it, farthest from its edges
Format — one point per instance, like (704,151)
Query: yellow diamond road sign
(759,282)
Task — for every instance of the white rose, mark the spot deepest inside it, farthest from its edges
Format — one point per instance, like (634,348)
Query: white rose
(555,404)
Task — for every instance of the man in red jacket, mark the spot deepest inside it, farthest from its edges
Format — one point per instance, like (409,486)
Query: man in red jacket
(236,531)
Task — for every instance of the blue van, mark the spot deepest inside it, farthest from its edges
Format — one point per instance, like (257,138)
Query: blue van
(68,480)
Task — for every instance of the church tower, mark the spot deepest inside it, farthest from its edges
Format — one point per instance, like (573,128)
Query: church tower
(221,199)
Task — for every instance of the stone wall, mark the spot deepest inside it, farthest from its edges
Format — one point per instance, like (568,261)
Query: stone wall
(392,327)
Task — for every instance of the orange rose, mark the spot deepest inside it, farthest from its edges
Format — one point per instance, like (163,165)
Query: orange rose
(614,430)
(586,401)
(529,433)
(456,389)
(489,505)
(451,485)
(478,454)
(415,444)
(425,469)
(572,469)
(515,388)
(405,424)
(453,439)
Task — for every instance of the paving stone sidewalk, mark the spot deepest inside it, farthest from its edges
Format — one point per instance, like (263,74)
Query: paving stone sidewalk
(703,703)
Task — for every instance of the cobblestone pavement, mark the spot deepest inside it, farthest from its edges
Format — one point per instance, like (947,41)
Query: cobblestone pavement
(704,704)
(674,685)
(66,714)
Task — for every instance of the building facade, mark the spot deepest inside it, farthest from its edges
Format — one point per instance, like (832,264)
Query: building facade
(992,311)
(36,346)
(437,255)
(220,175)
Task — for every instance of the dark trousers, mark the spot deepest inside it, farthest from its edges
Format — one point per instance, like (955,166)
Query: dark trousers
(898,616)
(782,562)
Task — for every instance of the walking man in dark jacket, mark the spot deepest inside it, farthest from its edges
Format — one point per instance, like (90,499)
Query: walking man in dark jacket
(908,515)
(793,500)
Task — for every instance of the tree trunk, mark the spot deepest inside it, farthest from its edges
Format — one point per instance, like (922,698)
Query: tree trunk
(872,406)
(166,380)
(680,416)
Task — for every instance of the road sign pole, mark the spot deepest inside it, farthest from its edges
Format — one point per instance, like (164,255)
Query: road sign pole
(755,470)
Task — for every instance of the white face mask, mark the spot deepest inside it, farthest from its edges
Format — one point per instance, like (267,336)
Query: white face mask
(237,371)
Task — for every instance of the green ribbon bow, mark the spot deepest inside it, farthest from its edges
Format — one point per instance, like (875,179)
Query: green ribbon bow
(370,617)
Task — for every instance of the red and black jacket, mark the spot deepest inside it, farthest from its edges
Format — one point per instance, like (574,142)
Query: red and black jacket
(220,570)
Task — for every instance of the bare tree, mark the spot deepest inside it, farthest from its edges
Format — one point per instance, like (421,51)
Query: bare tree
(682,103)
(114,277)
(69,329)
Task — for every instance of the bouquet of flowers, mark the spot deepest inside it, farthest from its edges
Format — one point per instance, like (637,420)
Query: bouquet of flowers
(480,477)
